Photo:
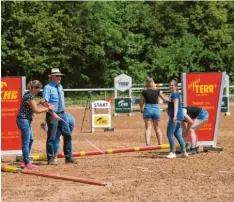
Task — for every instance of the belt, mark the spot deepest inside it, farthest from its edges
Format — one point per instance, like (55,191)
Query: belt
(59,112)
(19,117)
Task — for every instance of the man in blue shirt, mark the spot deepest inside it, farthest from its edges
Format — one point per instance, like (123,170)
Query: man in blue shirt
(53,93)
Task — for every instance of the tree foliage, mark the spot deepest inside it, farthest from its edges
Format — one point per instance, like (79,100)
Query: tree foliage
(92,42)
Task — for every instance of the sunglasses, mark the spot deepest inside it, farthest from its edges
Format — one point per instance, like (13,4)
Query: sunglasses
(37,87)
(57,75)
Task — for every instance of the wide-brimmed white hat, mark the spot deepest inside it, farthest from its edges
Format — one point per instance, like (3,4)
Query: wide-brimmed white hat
(55,71)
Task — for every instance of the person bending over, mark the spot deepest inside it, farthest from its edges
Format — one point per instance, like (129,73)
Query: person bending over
(194,118)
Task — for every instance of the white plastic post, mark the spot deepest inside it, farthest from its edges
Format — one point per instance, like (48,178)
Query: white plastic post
(228,113)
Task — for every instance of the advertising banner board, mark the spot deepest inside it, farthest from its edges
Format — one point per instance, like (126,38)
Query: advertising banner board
(12,89)
(205,90)
(123,105)
(123,82)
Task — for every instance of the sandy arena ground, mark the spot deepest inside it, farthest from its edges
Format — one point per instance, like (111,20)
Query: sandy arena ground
(136,176)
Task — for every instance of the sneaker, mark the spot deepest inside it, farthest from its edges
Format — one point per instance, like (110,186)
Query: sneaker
(171,155)
(197,149)
(193,151)
(71,160)
(185,154)
(52,162)
(30,166)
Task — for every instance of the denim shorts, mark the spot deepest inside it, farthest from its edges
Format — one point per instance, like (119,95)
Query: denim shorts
(203,115)
(152,111)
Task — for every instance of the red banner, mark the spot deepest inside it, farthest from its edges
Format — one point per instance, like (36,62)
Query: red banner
(11,96)
(203,90)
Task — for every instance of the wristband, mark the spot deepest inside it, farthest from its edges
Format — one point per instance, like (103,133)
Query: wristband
(45,104)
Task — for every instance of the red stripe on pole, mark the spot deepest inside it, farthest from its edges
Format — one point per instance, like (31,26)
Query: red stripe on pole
(64,177)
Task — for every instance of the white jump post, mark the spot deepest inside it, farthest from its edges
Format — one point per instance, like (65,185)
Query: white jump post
(122,83)
(100,120)
(225,102)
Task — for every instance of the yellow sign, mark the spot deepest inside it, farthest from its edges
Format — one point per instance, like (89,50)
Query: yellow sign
(11,95)
(101,120)
(203,89)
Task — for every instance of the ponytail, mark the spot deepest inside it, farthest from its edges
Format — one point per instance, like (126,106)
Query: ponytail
(34,84)
(149,83)
(29,85)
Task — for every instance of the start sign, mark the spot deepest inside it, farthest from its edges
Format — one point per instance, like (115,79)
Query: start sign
(102,120)
(101,104)
(123,82)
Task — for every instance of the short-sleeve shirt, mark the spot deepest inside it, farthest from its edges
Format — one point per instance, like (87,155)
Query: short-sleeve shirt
(179,115)
(54,94)
(25,110)
(193,111)
(151,96)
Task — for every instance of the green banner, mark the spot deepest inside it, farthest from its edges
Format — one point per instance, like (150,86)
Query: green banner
(123,105)
(224,106)
(136,100)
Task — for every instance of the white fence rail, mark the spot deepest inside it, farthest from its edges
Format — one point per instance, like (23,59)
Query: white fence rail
(90,90)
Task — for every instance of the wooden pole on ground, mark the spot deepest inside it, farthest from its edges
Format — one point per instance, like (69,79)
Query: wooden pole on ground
(7,168)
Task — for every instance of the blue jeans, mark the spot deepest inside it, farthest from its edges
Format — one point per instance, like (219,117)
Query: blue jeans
(174,129)
(53,126)
(26,136)
(71,122)
(203,115)
(152,111)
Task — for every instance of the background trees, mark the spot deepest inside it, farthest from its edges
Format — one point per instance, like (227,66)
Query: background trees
(92,42)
